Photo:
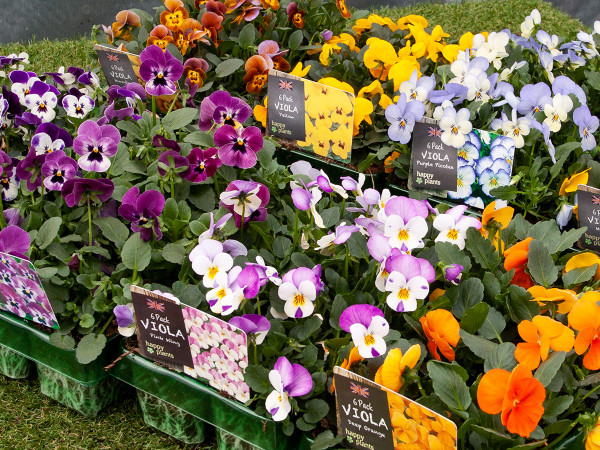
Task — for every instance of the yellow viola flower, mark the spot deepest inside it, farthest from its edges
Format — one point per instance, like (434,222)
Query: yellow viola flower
(362,25)
(300,71)
(335,83)
(385,101)
(584,260)
(412,19)
(371,90)
(402,70)
(379,57)
(344,38)
(466,41)
(362,110)
(569,185)
(390,372)
(437,34)
(260,112)
(418,50)
(450,52)
(325,54)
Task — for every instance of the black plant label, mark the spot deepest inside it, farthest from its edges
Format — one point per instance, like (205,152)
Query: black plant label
(588,201)
(117,66)
(286,106)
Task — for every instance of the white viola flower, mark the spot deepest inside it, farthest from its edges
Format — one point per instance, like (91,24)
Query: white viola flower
(405,293)
(551,42)
(251,201)
(516,128)
(417,88)
(288,380)
(558,111)
(9,186)
(298,298)
(453,226)
(528,25)
(505,74)
(42,105)
(455,126)
(385,196)
(303,168)
(43,144)
(23,88)
(316,196)
(77,107)
(464,66)
(368,328)
(220,297)
(208,259)
(493,48)
(465,179)
(475,202)
(479,87)
(405,236)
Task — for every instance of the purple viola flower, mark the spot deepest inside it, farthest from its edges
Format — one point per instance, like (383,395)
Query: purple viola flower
(453,273)
(125,320)
(41,100)
(110,113)
(368,328)
(56,169)
(254,324)
(172,162)
(131,92)
(341,235)
(9,183)
(22,82)
(14,105)
(454,92)
(299,289)
(214,226)
(402,117)
(14,240)
(13,217)
(588,125)
(161,71)
(89,78)
(55,133)
(78,190)
(96,144)
(246,199)
(288,381)
(29,169)
(203,164)
(77,106)
(69,77)
(143,211)
(230,111)
(160,141)
(564,85)
(533,98)
(27,119)
(238,147)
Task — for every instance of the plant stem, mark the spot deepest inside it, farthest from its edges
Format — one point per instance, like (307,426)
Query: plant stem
(296,228)
(153,111)
(107,324)
(173,102)
(172,186)
(89,208)
(242,222)
(2,219)
(258,306)
(346,262)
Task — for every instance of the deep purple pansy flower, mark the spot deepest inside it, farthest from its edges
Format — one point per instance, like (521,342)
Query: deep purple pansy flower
(57,169)
(96,144)
(143,211)
(160,71)
(453,272)
(248,199)
(29,169)
(78,189)
(172,161)
(203,164)
(252,324)
(14,240)
(288,381)
(368,328)
(238,146)
(237,110)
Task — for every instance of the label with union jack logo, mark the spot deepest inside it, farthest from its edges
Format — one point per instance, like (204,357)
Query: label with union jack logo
(588,201)
(119,67)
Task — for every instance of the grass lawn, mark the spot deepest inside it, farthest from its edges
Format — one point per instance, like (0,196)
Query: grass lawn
(30,420)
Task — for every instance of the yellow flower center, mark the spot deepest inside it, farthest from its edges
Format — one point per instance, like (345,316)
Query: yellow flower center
(369,340)
(555,117)
(221,293)
(59,174)
(402,123)
(516,131)
(462,154)
(201,165)
(454,129)
(403,294)
(452,234)
(95,150)
(240,141)
(212,272)
(403,235)
(299,300)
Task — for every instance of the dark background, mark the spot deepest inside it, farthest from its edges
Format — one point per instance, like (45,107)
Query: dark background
(54,19)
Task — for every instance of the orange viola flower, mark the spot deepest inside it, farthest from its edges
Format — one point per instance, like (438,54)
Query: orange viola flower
(516,258)
(125,21)
(353,358)
(390,372)
(273,4)
(161,36)
(257,72)
(279,63)
(441,329)
(212,23)
(542,296)
(584,260)
(295,15)
(517,395)
(194,71)
(260,112)
(540,335)
(389,167)
(592,440)
(569,185)
(344,11)
(174,19)
(585,318)
(502,216)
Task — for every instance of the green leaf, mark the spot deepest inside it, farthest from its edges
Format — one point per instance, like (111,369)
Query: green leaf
(113,229)
(449,253)
(478,345)
(554,407)
(180,118)
(579,275)
(228,66)
(546,232)
(87,321)
(46,272)
(491,286)
(470,292)
(520,305)
(357,246)
(48,232)
(449,386)
(316,409)
(331,216)
(90,347)
(326,440)
(295,40)
(540,264)
(247,36)
(304,330)
(200,139)
(483,251)
(175,253)
(59,340)
(203,197)
(493,325)
(502,357)
(281,245)
(136,253)
(474,317)
(593,79)
(548,369)
(257,378)
(364,165)
(566,240)
(95,251)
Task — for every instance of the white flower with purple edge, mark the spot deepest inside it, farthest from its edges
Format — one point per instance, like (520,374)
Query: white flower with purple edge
(408,281)
(341,235)
(95,144)
(42,100)
(299,292)
(288,381)
(489,180)
(368,328)
(209,259)
(77,107)
(453,226)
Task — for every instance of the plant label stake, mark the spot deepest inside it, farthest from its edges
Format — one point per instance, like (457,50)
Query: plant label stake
(588,201)
(119,67)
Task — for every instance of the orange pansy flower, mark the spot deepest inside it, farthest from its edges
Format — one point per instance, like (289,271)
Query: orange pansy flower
(566,297)
(569,185)
(125,21)
(279,63)
(517,395)
(161,36)
(584,260)
(501,216)
(353,358)
(390,372)
(344,11)
(540,335)
(516,258)
(389,167)
(194,71)
(212,23)
(174,19)
(260,112)
(585,318)
(257,72)
(592,440)
(441,329)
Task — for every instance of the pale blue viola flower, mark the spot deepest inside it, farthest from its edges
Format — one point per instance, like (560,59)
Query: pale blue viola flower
(588,125)
(402,117)
(468,154)
(564,215)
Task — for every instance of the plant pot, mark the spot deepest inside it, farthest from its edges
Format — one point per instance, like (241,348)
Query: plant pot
(87,399)
(13,365)
(172,420)
(34,344)
(201,401)
(333,169)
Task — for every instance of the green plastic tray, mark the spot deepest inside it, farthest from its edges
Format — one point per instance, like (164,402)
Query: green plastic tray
(13,365)
(35,345)
(201,401)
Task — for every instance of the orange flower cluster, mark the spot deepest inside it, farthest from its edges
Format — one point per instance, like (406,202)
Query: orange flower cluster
(176,27)
(585,318)
(540,335)
(441,329)
(517,395)
(418,428)
(516,258)
(501,217)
